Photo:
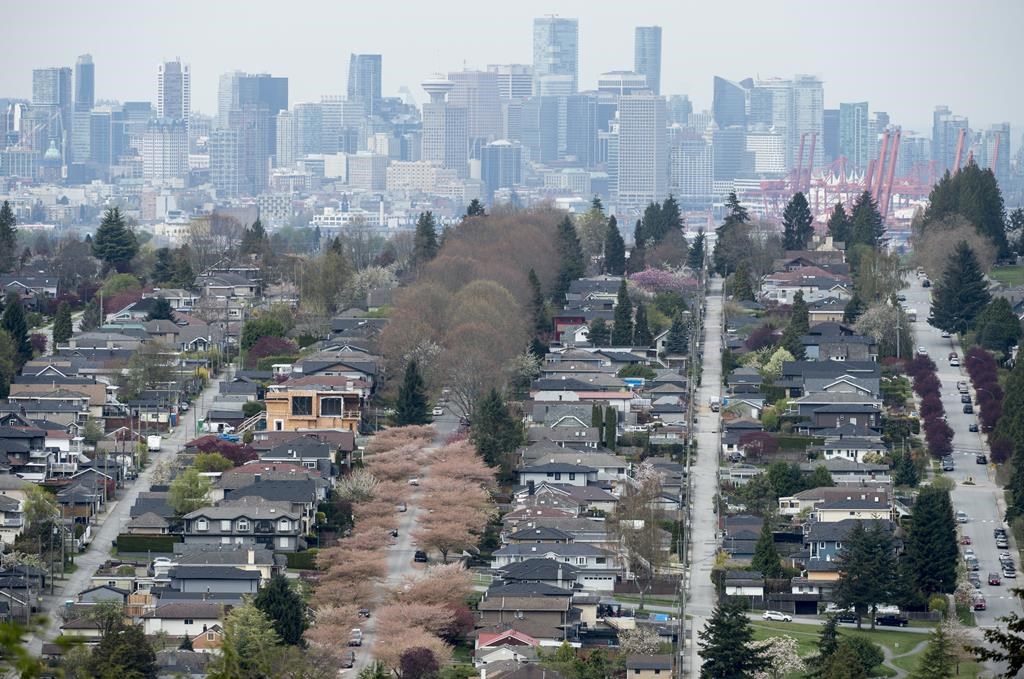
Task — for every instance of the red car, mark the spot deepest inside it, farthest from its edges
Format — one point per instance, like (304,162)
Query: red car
(965,540)
(993,579)
(979,603)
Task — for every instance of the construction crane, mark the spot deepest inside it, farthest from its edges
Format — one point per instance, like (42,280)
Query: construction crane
(959,149)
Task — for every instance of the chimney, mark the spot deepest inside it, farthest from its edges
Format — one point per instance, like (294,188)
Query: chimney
(251,560)
(529,487)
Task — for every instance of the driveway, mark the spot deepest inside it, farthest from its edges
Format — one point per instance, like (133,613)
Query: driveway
(116,518)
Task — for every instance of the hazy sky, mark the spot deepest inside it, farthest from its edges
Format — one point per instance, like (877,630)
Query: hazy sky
(903,56)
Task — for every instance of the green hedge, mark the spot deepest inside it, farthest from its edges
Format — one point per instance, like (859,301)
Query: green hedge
(267,363)
(793,442)
(303,561)
(147,543)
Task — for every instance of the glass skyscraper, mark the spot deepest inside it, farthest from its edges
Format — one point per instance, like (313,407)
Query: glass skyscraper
(647,55)
(364,77)
(555,50)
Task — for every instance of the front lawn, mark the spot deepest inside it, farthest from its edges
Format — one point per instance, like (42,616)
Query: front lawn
(1008,275)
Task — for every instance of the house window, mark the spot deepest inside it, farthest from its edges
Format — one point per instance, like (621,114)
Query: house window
(209,636)
(284,524)
(581,560)
(839,545)
(302,405)
(243,525)
(225,525)
(558,476)
(572,476)
(332,407)
(201,524)
(189,621)
(599,560)
(278,425)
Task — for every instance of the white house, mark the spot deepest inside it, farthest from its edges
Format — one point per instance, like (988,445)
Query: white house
(180,619)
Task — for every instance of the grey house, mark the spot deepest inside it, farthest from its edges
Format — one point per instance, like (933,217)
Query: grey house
(270,523)
(214,579)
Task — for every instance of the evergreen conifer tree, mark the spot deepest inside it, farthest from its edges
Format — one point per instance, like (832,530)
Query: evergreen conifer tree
(254,239)
(766,557)
(62,327)
(598,333)
(15,323)
(641,331)
(285,609)
(961,294)
(115,244)
(939,660)
(678,340)
(163,268)
(931,545)
(92,316)
(161,310)
(904,470)
(610,427)
(8,237)
(866,224)
(494,431)
(742,288)
(1011,424)
(570,255)
(540,321)
(475,209)
(622,329)
(425,241)
(725,643)
(695,258)
(614,250)
(797,223)
(839,224)
(638,255)
(411,407)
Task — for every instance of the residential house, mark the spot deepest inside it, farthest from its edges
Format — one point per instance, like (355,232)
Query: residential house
(292,410)
(814,282)
(806,500)
(200,579)
(149,524)
(856,448)
(267,523)
(740,535)
(825,346)
(104,594)
(557,472)
(838,414)
(598,568)
(301,495)
(553,616)
(548,572)
(227,284)
(611,469)
(826,310)
(12,519)
(32,289)
(310,453)
(808,377)
(861,506)
(539,535)
(179,620)
(824,540)
(649,666)
(850,472)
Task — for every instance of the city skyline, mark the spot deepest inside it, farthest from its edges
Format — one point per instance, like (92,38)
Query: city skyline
(314,55)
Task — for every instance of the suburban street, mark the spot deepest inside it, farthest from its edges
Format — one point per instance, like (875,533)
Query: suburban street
(400,554)
(703,518)
(116,518)
(982,501)
(47,330)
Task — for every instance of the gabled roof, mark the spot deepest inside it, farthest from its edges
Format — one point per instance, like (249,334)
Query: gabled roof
(539,569)
(557,468)
(649,662)
(187,611)
(523,603)
(149,520)
(497,638)
(541,533)
(212,573)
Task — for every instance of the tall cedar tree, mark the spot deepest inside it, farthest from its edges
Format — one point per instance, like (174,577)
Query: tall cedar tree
(540,320)
(570,256)
(866,225)
(494,431)
(650,225)
(962,293)
(62,327)
(162,310)
(611,429)
(828,644)
(736,217)
(638,255)
(622,329)
(855,308)
(1015,486)
(125,652)
(15,323)
(1011,425)
(284,608)
(475,209)
(91,316)
(904,471)
(163,268)
(641,331)
(598,333)
(931,543)
(725,643)
(254,239)
(661,220)
(839,224)
(742,288)
(766,557)
(411,407)
(798,326)
(8,362)
(8,237)
(867,568)
(695,258)
(115,244)
(797,223)
(425,241)
(678,341)
(614,250)
(974,194)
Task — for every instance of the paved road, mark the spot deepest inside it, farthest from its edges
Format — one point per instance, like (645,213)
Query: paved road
(704,472)
(117,516)
(400,554)
(983,501)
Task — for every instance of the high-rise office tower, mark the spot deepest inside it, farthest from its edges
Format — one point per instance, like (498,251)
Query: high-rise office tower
(808,111)
(165,150)
(945,137)
(620,83)
(679,109)
(107,138)
(691,175)
(248,105)
(287,132)
(477,92)
(855,135)
(729,145)
(237,89)
(308,128)
(85,83)
(729,106)
(225,172)
(52,103)
(501,165)
(555,50)
(364,78)
(539,128)
(995,150)
(578,129)
(173,91)
(445,129)
(647,55)
(765,153)
(515,81)
(830,131)
(642,160)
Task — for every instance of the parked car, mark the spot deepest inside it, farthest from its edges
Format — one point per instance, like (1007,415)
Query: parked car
(968,409)
(348,659)
(981,459)
(965,398)
(846,616)
(1009,572)
(961,386)
(926,284)
(420,556)
(437,412)
(402,507)
(364,612)
(969,554)
(414,481)
(973,565)
(954,362)
(979,603)
(355,637)
(777,616)
(891,621)
(965,540)
(948,465)
(945,335)
(974,579)
(921,351)
(993,579)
